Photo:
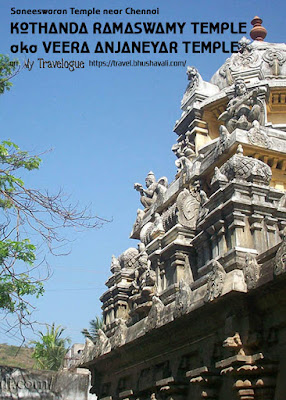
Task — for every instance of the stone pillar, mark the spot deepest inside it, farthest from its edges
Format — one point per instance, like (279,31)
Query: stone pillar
(214,243)
(178,264)
(271,230)
(171,390)
(207,381)
(236,221)
(254,377)
(222,245)
(256,229)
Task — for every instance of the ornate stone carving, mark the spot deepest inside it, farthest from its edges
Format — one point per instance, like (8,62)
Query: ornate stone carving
(234,343)
(143,275)
(155,314)
(119,336)
(139,218)
(257,137)
(275,59)
(185,167)
(203,210)
(246,168)
(251,271)
(194,79)
(115,265)
(169,217)
(188,204)
(153,189)
(244,45)
(88,351)
(157,228)
(145,234)
(225,72)
(246,58)
(102,343)
(184,148)
(243,108)
(183,300)
(218,176)
(280,259)
(215,282)
(128,258)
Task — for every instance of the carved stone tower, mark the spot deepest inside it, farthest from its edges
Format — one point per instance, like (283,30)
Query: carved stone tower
(198,311)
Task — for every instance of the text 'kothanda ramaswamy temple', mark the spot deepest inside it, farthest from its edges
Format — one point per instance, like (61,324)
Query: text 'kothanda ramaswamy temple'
(198,310)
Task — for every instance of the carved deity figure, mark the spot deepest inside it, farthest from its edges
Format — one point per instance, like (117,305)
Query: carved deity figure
(144,276)
(115,265)
(244,108)
(194,77)
(153,189)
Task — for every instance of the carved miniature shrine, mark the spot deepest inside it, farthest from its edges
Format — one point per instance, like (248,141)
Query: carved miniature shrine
(198,309)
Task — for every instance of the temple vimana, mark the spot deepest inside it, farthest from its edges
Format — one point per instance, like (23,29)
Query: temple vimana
(197,309)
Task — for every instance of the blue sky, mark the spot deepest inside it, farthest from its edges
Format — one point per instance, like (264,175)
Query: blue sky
(108,128)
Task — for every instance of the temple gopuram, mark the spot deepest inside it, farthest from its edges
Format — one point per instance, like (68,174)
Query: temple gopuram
(198,309)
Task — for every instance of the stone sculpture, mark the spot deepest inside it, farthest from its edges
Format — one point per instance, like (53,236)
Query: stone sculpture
(153,189)
(215,282)
(257,136)
(183,299)
(218,176)
(155,314)
(102,344)
(244,108)
(188,204)
(246,168)
(119,337)
(251,271)
(115,265)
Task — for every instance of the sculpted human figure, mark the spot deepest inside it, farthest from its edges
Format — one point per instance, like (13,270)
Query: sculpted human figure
(144,276)
(153,189)
(148,195)
(243,109)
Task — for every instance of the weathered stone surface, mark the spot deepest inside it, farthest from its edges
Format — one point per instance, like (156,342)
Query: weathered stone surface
(16,383)
(251,271)
(215,282)
(188,206)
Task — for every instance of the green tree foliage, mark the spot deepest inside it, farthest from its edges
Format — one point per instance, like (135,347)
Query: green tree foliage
(8,69)
(94,326)
(24,214)
(50,350)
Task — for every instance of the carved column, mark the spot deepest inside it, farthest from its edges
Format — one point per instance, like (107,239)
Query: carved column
(271,230)
(171,390)
(178,264)
(214,243)
(254,378)
(208,382)
(236,222)
(256,228)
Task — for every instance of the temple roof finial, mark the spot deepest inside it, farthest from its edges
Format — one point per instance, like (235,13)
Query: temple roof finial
(258,32)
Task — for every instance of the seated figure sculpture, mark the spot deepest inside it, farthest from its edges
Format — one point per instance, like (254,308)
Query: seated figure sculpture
(244,108)
(153,189)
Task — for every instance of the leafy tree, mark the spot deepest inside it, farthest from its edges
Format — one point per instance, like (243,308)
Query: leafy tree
(27,213)
(94,326)
(51,349)
(8,69)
